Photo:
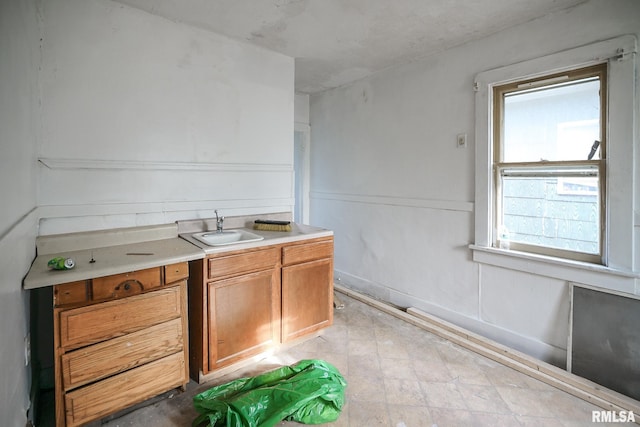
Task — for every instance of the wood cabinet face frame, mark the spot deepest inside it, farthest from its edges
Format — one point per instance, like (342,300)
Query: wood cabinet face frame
(307,288)
(105,337)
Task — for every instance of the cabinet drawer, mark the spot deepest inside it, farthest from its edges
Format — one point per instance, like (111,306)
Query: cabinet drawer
(91,324)
(120,354)
(126,284)
(243,263)
(295,254)
(70,293)
(128,388)
(175,272)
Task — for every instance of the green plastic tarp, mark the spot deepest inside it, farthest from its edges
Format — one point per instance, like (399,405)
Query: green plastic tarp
(308,392)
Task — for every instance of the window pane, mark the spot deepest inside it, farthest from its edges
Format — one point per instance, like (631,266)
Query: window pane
(560,213)
(554,123)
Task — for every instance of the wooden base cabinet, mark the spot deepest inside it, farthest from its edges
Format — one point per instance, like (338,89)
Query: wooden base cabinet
(307,288)
(244,302)
(119,340)
(235,304)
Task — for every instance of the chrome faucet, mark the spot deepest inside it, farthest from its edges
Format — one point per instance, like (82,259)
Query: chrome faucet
(219,221)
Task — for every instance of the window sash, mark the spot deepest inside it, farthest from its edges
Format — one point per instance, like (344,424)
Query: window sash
(589,168)
(552,169)
(598,71)
(574,169)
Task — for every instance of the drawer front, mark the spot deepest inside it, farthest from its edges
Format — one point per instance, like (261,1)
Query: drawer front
(107,358)
(70,293)
(175,272)
(98,322)
(295,254)
(243,263)
(126,284)
(128,388)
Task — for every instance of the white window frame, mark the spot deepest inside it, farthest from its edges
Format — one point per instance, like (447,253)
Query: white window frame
(562,168)
(617,271)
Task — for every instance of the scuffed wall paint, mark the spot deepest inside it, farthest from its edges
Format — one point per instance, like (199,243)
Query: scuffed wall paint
(150,121)
(19,127)
(385,163)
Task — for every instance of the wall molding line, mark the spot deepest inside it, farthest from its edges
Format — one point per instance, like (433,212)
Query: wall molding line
(96,164)
(105,209)
(18,223)
(414,202)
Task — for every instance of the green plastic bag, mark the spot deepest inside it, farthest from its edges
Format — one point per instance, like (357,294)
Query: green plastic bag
(308,392)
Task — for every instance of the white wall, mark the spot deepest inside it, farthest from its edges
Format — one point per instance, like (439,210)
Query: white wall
(302,108)
(111,117)
(19,118)
(148,121)
(388,178)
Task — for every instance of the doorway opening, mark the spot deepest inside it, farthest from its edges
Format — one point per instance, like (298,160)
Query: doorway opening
(301,166)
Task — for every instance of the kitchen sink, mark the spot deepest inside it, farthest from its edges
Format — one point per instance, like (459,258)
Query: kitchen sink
(227,237)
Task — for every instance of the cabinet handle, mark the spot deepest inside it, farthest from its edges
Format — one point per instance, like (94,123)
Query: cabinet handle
(127,285)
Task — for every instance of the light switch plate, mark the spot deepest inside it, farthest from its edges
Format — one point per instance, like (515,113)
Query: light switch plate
(461,141)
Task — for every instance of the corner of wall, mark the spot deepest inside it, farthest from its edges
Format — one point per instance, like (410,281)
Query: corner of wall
(17,251)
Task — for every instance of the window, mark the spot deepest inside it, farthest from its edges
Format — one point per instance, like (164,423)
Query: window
(549,164)
(611,175)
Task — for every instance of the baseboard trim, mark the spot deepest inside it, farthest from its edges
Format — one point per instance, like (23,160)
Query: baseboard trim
(529,345)
(545,372)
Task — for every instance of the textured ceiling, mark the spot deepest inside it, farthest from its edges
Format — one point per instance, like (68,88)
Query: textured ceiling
(335,42)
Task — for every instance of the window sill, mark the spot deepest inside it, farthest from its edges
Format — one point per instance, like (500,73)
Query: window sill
(573,271)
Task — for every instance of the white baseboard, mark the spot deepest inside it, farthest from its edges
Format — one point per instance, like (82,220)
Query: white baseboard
(538,349)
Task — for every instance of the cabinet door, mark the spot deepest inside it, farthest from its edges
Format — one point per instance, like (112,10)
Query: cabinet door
(243,317)
(307,298)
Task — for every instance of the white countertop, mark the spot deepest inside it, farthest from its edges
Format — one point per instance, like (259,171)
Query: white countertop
(111,260)
(123,250)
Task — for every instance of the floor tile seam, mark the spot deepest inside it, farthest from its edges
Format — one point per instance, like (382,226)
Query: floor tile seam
(426,395)
(352,335)
(538,417)
(382,350)
(548,398)
(390,377)
(388,405)
(485,388)
(552,414)
(480,412)
(388,385)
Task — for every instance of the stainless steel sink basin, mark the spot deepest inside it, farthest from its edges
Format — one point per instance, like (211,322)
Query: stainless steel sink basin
(227,237)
